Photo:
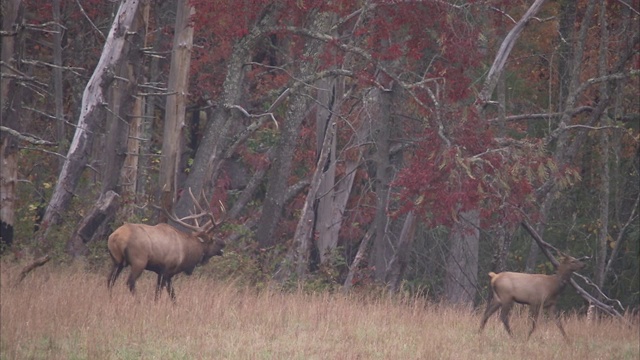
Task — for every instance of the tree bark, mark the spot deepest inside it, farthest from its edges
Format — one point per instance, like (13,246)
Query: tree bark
(381,130)
(217,135)
(9,118)
(360,255)
(565,144)
(302,238)
(505,50)
(174,121)
(57,79)
(90,114)
(325,203)
(102,212)
(605,183)
(281,167)
(146,184)
(399,260)
(461,277)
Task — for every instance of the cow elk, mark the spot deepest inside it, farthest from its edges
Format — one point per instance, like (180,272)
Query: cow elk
(163,249)
(536,290)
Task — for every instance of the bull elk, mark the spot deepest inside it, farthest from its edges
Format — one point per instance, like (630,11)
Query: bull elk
(163,249)
(536,290)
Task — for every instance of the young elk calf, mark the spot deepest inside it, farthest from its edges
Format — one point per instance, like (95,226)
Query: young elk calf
(536,290)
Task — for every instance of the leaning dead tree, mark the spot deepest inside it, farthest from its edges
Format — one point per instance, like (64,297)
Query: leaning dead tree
(545,247)
(32,265)
(92,111)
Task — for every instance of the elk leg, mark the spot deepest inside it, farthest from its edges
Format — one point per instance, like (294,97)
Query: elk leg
(556,316)
(534,312)
(492,307)
(504,316)
(133,276)
(113,276)
(159,285)
(172,293)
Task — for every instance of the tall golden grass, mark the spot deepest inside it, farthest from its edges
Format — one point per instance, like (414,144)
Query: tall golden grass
(66,312)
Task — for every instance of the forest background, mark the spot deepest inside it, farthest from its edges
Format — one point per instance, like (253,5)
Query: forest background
(404,145)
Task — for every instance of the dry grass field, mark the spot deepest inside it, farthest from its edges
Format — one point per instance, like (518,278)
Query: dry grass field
(67,313)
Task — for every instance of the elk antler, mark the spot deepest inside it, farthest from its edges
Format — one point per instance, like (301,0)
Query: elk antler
(201,212)
(196,203)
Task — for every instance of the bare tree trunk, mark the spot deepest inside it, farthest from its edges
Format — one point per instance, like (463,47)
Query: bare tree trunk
(563,148)
(117,118)
(605,183)
(461,277)
(360,255)
(299,252)
(119,112)
(144,182)
(381,131)
(9,118)
(615,173)
(503,53)
(279,171)
(129,172)
(57,78)
(174,121)
(281,166)
(326,191)
(399,259)
(501,248)
(333,195)
(91,113)
(566,30)
(217,135)
(102,212)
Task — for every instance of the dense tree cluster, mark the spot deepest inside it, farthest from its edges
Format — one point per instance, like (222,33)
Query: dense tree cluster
(410,144)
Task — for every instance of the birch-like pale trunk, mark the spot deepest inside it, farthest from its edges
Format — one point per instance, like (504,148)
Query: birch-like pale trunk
(495,72)
(91,112)
(174,120)
(298,254)
(8,118)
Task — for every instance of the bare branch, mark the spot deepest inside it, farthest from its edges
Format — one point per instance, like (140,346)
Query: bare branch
(629,6)
(27,138)
(617,76)
(246,113)
(503,53)
(542,115)
(34,264)
(544,246)
(632,217)
(42,63)
(89,20)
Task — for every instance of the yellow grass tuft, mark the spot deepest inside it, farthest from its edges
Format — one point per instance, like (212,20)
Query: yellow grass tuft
(67,313)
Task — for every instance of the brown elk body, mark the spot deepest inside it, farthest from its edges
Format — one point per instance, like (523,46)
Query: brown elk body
(163,249)
(536,290)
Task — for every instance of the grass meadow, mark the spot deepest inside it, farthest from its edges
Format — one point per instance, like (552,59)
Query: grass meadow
(66,312)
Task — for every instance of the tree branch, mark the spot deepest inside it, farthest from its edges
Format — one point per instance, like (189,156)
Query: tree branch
(576,111)
(34,264)
(27,138)
(620,237)
(503,53)
(545,246)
